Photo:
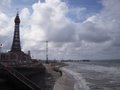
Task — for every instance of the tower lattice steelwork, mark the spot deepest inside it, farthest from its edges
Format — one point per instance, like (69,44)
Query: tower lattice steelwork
(16,54)
(16,46)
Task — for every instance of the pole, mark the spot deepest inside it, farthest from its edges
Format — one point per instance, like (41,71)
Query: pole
(47,52)
(0,50)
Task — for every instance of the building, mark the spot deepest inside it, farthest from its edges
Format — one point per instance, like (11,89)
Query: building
(15,54)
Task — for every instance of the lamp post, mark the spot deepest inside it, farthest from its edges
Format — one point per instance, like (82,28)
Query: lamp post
(0,50)
(47,52)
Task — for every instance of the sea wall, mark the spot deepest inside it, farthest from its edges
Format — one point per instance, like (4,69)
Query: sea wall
(65,82)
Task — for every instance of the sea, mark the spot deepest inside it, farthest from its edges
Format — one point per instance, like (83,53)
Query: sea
(95,75)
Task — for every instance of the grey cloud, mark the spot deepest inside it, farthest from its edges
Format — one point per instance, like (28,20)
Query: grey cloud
(66,34)
(116,41)
(91,33)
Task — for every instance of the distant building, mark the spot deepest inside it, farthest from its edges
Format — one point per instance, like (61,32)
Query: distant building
(15,54)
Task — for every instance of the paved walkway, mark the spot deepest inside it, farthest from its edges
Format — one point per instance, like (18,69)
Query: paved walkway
(66,82)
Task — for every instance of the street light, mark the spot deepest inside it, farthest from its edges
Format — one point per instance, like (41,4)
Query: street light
(47,52)
(0,50)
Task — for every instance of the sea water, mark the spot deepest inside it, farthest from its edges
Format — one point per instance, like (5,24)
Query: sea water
(95,75)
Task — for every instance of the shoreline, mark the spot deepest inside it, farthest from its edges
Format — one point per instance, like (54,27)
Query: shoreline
(62,79)
(65,82)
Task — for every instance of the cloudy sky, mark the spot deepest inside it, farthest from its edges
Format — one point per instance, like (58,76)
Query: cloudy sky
(75,29)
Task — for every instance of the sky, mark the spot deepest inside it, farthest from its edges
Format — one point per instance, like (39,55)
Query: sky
(75,29)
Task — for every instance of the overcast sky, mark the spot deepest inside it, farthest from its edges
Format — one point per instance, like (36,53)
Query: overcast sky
(75,29)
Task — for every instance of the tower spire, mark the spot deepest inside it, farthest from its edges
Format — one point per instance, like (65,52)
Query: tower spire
(16,38)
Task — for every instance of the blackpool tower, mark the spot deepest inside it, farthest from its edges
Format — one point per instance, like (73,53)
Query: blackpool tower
(16,51)
(16,46)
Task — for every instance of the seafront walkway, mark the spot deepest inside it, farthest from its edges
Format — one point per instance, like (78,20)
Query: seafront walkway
(17,78)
